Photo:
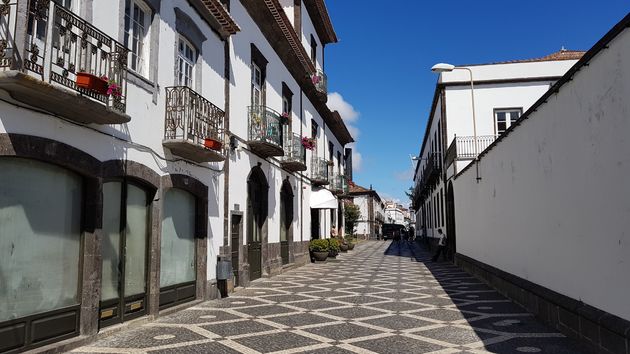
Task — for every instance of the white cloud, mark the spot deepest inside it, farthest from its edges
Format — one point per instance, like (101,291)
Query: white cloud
(350,116)
(345,109)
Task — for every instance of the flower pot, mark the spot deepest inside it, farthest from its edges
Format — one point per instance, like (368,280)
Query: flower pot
(320,256)
(332,254)
(350,246)
(91,82)
(212,144)
(343,247)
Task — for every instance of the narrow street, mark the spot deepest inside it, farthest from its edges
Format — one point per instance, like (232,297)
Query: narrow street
(379,298)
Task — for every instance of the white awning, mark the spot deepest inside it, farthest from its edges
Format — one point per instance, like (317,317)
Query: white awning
(323,199)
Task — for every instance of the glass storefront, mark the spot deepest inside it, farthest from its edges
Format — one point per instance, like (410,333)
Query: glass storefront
(178,238)
(40,237)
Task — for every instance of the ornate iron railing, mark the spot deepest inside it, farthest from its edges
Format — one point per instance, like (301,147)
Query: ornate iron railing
(339,183)
(320,81)
(293,149)
(59,44)
(264,125)
(463,147)
(319,169)
(191,117)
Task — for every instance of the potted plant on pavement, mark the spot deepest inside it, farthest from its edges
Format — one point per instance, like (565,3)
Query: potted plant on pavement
(319,249)
(350,243)
(343,245)
(333,248)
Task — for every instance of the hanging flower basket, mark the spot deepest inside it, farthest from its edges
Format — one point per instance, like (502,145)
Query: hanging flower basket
(308,143)
(92,82)
(212,144)
(285,118)
(316,79)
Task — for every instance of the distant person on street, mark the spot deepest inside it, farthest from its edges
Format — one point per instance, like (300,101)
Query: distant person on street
(333,232)
(441,246)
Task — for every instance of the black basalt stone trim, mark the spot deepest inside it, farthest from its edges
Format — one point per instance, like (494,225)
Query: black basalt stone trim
(50,151)
(131,169)
(598,330)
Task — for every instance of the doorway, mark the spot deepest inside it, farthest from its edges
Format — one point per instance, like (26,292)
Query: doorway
(315,227)
(450,221)
(124,249)
(257,209)
(236,230)
(286,220)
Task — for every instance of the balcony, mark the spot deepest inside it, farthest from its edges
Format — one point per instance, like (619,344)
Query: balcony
(319,171)
(193,127)
(463,148)
(321,83)
(294,159)
(338,184)
(432,169)
(43,47)
(265,131)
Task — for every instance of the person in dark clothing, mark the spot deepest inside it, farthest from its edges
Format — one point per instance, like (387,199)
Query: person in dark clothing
(441,247)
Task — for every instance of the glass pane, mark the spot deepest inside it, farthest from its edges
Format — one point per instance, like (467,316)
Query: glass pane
(111,240)
(514,116)
(178,242)
(40,224)
(136,241)
(283,217)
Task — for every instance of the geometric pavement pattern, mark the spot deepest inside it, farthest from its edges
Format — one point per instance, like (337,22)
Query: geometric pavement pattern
(382,297)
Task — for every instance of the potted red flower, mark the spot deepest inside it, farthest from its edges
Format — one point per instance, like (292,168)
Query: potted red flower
(212,144)
(308,143)
(92,82)
(285,118)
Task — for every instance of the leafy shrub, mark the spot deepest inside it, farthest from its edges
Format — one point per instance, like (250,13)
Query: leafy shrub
(333,245)
(318,246)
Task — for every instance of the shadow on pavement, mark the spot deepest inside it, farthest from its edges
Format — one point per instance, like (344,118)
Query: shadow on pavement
(503,326)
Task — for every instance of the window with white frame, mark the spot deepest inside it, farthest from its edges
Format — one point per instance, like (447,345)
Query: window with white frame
(504,118)
(186,58)
(256,85)
(137,24)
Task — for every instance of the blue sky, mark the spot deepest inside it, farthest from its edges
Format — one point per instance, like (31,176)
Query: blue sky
(379,72)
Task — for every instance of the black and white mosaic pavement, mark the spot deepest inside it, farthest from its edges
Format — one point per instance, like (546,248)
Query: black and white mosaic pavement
(380,298)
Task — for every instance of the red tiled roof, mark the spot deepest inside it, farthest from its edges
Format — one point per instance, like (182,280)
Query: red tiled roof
(562,54)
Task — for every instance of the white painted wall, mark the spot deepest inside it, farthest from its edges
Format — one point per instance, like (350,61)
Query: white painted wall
(308,29)
(552,206)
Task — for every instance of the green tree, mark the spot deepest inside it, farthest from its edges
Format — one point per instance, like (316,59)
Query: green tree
(352,213)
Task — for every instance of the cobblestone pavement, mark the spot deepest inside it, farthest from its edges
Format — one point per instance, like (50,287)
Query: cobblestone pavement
(379,298)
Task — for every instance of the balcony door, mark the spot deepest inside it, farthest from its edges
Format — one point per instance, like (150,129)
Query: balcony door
(257,207)
(124,249)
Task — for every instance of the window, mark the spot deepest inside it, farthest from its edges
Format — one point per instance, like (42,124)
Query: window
(504,118)
(256,85)
(339,161)
(313,50)
(178,238)
(137,23)
(186,59)
(314,128)
(41,245)
(331,150)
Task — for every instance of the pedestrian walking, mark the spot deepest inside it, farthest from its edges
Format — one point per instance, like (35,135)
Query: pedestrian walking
(441,246)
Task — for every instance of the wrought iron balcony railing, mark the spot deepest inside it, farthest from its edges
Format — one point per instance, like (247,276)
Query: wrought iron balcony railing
(319,171)
(44,40)
(294,153)
(433,168)
(338,184)
(321,82)
(265,131)
(193,126)
(463,148)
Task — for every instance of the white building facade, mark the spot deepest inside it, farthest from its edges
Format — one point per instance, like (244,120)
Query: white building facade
(143,140)
(502,92)
(547,223)
(372,210)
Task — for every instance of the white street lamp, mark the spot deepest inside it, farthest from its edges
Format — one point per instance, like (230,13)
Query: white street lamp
(446,68)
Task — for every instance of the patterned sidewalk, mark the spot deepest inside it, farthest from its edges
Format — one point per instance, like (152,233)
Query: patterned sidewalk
(379,298)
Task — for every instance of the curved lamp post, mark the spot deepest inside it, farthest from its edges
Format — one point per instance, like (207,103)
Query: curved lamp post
(447,68)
